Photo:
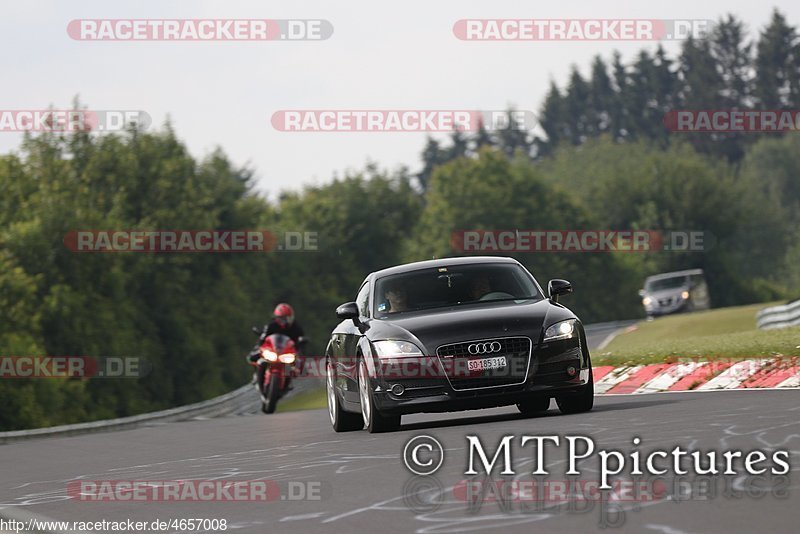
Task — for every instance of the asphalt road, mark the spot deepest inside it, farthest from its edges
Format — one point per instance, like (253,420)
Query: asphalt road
(599,334)
(359,482)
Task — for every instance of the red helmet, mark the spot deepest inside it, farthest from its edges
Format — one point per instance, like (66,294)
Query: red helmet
(283,314)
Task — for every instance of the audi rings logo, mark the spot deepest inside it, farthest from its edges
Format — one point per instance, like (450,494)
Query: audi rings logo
(485,348)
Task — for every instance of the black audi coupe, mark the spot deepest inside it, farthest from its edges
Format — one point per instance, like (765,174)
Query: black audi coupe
(454,334)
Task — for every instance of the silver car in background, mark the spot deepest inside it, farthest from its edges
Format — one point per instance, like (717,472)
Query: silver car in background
(679,291)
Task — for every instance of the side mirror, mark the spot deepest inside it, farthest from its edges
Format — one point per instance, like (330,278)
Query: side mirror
(641,292)
(558,287)
(348,310)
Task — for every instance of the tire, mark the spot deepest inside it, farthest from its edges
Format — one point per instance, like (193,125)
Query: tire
(271,394)
(372,418)
(341,420)
(578,402)
(534,406)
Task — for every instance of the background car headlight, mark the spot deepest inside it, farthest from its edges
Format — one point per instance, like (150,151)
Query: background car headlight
(396,349)
(646,301)
(563,330)
(269,355)
(685,295)
(286,358)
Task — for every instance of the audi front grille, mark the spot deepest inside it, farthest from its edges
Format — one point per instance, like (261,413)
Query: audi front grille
(454,358)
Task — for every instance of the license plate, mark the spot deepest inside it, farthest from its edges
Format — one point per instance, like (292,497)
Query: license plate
(486,363)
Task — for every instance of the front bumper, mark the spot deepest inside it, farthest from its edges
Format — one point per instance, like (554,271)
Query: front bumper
(546,376)
(666,305)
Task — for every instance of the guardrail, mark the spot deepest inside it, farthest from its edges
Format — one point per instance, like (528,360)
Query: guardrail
(216,407)
(779,316)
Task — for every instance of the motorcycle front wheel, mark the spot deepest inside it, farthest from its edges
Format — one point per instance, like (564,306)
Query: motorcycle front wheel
(271,393)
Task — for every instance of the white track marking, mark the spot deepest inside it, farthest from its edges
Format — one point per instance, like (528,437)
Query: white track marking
(792,382)
(613,378)
(669,376)
(733,376)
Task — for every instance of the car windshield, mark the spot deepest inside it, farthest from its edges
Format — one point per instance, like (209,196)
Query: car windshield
(661,284)
(452,286)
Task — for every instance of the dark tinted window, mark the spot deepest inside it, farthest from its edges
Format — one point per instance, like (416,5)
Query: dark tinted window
(452,285)
(661,284)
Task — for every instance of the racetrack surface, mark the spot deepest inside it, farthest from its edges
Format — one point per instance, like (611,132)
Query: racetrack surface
(362,476)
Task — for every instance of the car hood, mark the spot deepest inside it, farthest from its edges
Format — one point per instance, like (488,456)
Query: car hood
(470,322)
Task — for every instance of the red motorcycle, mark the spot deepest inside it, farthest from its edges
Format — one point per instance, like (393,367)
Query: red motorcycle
(280,354)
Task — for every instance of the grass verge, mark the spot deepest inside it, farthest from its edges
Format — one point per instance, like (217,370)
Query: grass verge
(706,335)
(305,400)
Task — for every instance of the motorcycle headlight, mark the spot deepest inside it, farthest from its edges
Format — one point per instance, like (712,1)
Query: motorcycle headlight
(269,355)
(396,349)
(287,358)
(562,330)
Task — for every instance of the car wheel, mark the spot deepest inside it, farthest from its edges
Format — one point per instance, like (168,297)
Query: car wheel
(578,402)
(373,419)
(340,420)
(534,406)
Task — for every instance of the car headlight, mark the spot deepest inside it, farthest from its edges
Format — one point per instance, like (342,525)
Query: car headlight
(269,355)
(646,301)
(685,295)
(396,349)
(287,358)
(563,330)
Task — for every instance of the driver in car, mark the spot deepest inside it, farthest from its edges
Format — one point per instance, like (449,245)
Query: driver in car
(397,298)
(479,287)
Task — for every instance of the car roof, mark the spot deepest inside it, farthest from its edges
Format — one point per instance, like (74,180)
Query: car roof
(444,262)
(675,274)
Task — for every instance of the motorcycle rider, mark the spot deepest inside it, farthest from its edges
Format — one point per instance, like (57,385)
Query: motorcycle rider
(283,322)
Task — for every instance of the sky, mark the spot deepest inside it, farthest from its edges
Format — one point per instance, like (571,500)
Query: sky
(380,56)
